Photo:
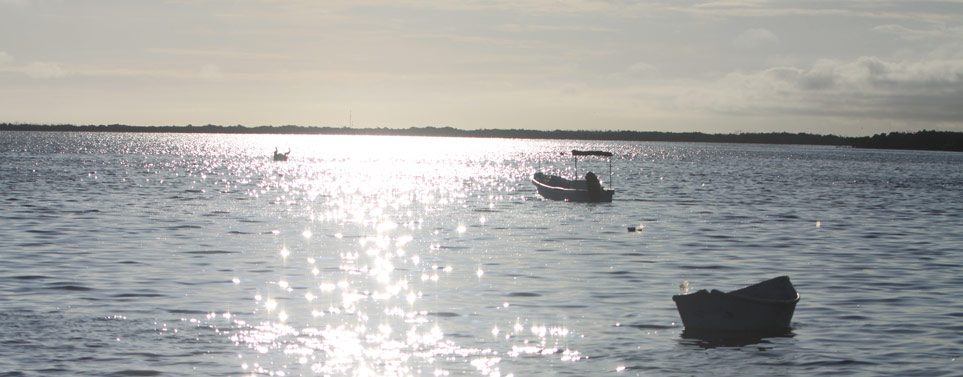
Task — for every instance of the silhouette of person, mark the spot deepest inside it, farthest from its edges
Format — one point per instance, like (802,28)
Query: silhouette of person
(594,187)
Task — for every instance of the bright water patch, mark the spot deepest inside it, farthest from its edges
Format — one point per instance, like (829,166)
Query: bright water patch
(155,254)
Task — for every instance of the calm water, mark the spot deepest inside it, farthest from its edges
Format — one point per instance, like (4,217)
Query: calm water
(155,254)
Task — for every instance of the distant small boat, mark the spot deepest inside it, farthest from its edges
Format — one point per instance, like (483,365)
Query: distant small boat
(554,187)
(765,306)
(281,156)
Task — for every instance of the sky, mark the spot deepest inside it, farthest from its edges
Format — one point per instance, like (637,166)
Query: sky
(848,68)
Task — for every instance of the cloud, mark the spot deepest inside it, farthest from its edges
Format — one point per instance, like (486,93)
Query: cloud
(864,88)
(44,70)
(5,58)
(227,54)
(211,72)
(907,33)
(539,28)
(878,75)
(755,38)
(643,69)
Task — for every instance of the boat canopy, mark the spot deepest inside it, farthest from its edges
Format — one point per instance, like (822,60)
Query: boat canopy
(576,152)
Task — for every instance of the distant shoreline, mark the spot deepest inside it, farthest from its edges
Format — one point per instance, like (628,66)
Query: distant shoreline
(921,140)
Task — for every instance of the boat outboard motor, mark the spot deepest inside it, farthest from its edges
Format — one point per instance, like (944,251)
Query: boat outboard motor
(594,187)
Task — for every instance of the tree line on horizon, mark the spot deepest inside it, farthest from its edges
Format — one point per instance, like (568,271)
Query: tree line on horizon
(921,140)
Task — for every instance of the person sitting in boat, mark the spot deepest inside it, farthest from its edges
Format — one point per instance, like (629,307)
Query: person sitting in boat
(594,187)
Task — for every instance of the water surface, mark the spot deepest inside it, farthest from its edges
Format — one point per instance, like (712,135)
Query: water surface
(161,254)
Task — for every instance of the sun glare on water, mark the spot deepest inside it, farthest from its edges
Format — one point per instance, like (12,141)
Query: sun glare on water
(356,262)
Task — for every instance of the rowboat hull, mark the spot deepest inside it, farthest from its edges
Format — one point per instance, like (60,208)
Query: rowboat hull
(553,187)
(765,306)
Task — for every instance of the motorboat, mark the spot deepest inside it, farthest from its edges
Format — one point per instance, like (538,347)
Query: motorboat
(281,156)
(590,189)
(765,306)
(557,188)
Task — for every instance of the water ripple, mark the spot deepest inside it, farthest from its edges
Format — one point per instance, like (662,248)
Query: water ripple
(144,254)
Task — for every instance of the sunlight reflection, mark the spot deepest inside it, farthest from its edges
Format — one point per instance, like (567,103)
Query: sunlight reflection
(361,243)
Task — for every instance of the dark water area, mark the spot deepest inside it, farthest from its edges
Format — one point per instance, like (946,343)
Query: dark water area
(196,254)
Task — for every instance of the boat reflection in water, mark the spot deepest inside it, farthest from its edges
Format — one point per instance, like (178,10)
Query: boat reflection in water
(707,339)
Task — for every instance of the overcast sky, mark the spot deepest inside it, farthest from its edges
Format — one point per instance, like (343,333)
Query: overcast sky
(828,67)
